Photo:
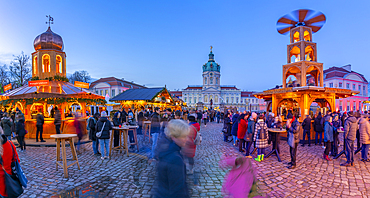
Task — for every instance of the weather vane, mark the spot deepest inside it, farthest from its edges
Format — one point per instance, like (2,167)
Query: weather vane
(211,48)
(50,20)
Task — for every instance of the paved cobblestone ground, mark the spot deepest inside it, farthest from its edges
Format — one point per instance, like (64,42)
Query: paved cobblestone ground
(123,176)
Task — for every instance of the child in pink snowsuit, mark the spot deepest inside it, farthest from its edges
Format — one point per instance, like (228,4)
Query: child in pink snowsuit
(239,181)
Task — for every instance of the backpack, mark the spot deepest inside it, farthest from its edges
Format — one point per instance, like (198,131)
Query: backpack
(88,121)
(198,138)
(262,132)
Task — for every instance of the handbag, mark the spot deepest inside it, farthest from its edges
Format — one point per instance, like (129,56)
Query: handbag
(12,185)
(98,134)
(291,140)
(17,170)
(248,137)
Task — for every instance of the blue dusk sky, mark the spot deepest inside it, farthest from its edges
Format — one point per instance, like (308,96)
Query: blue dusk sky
(159,43)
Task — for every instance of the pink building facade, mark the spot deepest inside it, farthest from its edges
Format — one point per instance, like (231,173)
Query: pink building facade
(344,77)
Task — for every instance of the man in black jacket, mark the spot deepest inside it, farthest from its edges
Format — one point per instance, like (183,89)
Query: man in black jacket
(307,130)
(39,126)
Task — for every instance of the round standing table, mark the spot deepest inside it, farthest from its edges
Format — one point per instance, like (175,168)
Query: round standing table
(61,139)
(146,126)
(275,147)
(123,132)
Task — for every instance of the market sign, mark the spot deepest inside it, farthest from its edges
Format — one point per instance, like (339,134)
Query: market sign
(82,84)
(36,83)
(8,87)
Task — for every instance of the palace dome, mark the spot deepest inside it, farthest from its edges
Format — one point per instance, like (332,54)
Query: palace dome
(48,40)
(211,65)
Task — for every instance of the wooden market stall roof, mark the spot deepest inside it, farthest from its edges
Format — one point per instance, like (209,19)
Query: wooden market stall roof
(146,94)
(58,90)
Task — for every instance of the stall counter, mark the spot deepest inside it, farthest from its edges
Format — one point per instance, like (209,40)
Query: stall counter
(67,127)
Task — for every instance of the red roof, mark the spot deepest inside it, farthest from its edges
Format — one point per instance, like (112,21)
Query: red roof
(176,93)
(247,94)
(226,87)
(340,72)
(193,87)
(117,82)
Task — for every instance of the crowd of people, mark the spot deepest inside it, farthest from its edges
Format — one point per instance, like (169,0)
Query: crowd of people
(245,129)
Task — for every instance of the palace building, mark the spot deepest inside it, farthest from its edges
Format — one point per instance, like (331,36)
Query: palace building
(211,94)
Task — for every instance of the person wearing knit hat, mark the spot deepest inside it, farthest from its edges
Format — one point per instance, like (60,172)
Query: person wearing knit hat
(104,126)
(293,128)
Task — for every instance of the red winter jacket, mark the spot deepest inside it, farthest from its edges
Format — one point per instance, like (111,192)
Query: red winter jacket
(7,160)
(190,147)
(242,128)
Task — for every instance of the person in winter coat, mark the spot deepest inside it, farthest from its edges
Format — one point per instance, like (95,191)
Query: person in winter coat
(328,137)
(250,133)
(6,153)
(39,126)
(171,169)
(343,118)
(364,128)
(57,120)
(21,132)
(242,130)
(306,125)
(240,181)
(6,125)
(190,147)
(156,127)
(278,125)
(318,126)
(92,133)
(105,126)
(234,128)
(350,129)
(337,123)
(261,137)
(116,122)
(227,127)
(205,117)
(293,127)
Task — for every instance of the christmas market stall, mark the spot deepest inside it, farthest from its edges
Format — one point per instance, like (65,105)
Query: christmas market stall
(35,98)
(49,88)
(147,98)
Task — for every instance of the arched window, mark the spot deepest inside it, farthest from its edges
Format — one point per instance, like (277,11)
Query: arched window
(205,98)
(211,80)
(306,36)
(45,63)
(216,81)
(34,65)
(295,37)
(216,99)
(205,80)
(59,65)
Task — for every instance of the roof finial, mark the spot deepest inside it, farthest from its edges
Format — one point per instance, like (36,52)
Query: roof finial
(211,48)
(51,19)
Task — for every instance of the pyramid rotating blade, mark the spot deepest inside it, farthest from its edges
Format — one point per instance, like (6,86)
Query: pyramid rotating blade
(284,30)
(285,20)
(319,18)
(301,14)
(315,28)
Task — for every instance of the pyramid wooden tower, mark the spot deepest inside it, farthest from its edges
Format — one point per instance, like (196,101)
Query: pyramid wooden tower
(302,64)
